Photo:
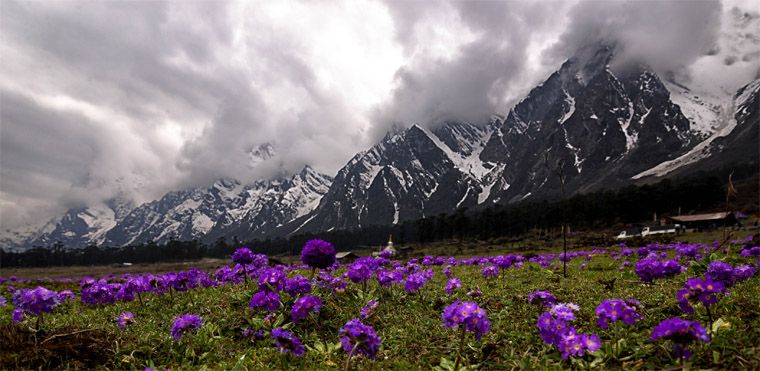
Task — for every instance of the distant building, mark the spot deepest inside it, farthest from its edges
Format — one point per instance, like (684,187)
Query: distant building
(346,256)
(706,221)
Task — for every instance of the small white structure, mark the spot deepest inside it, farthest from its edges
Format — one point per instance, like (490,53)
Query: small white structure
(665,229)
(629,233)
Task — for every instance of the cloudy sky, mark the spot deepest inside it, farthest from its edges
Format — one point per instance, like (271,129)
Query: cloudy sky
(109,98)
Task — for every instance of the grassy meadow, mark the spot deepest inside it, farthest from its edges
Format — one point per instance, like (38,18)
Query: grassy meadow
(77,336)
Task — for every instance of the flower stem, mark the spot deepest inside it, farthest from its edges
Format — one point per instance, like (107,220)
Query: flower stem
(459,351)
(348,360)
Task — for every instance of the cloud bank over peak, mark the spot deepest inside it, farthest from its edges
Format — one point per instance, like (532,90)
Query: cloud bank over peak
(99,99)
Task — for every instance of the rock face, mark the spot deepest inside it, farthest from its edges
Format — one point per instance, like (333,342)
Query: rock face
(597,126)
(736,143)
(408,175)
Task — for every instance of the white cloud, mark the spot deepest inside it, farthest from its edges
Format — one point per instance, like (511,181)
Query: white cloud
(139,98)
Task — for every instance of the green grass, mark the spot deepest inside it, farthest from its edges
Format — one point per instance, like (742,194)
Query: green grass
(78,336)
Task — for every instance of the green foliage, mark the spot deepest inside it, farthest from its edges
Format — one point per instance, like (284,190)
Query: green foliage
(410,327)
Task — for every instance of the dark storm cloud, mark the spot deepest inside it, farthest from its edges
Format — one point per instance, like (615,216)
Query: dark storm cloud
(479,80)
(666,35)
(139,98)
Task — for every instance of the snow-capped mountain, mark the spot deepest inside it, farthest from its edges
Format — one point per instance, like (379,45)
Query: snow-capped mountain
(603,126)
(225,208)
(84,226)
(410,174)
(598,126)
(737,142)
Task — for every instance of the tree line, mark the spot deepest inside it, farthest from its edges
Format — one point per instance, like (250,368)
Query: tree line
(592,211)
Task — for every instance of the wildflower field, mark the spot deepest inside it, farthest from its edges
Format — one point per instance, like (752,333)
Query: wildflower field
(652,307)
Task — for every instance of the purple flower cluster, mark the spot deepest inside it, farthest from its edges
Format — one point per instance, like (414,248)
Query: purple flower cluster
(287,342)
(359,272)
(185,323)
(614,310)
(743,272)
(452,285)
(469,315)
(268,300)
(297,285)
(751,252)
(35,301)
(125,319)
(724,273)
(243,256)
(304,306)
(358,338)
(682,333)
(387,278)
(318,254)
(699,290)
(100,293)
(649,269)
(272,279)
(555,329)
(416,281)
(327,281)
(490,272)
(542,297)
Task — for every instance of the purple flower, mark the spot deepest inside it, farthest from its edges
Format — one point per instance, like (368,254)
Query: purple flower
(3,302)
(543,297)
(185,323)
(297,285)
(615,310)
(743,273)
(447,271)
(272,280)
(318,254)
(265,300)
(452,285)
(125,319)
(359,273)
(386,254)
(243,256)
(304,306)
(698,290)
(99,293)
(416,281)
(36,301)
(490,272)
(649,269)
(287,342)
(18,315)
(66,295)
(474,293)
(557,332)
(564,311)
(681,332)
(358,338)
(469,315)
(256,334)
(720,271)
(369,309)
(386,278)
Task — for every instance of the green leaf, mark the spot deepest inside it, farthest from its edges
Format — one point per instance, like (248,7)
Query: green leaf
(719,325)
